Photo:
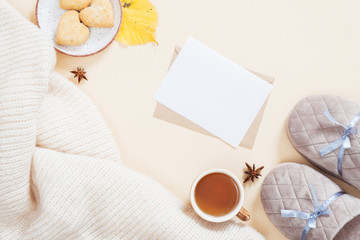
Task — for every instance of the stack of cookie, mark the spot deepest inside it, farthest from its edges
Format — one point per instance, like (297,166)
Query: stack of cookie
(73,25)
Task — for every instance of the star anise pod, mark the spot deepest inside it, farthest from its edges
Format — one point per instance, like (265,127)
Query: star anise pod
(252,172)
(80,74)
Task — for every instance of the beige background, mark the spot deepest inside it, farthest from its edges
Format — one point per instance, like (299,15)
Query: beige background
(309,46)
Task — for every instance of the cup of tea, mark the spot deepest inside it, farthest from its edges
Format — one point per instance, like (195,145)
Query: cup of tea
(217,195)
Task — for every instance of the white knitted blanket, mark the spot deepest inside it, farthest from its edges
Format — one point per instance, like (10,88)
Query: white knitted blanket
(60,170)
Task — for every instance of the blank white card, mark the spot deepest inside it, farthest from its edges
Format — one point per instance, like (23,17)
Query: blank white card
(213,92)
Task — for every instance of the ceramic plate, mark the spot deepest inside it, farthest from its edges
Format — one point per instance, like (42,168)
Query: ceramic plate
(48,15)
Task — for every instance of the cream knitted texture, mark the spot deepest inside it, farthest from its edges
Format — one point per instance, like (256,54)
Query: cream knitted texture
(60,170)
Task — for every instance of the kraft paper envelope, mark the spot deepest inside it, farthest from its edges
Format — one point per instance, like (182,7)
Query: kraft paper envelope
(164,113)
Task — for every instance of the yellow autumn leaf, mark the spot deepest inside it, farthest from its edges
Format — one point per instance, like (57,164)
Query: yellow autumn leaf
(138,23)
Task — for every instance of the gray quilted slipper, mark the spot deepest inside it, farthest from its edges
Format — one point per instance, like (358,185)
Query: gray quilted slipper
(311,130)
(288,200)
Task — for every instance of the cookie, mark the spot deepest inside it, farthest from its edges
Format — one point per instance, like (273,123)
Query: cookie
(70,30)
(74,4)
(99,14)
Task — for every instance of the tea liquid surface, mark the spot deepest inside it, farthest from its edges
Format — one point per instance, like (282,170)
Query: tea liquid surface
(216,194)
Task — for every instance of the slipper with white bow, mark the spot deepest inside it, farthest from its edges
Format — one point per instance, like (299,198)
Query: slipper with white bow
(323,129)
(304,204)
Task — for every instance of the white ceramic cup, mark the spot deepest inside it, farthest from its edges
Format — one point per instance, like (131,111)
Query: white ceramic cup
(238,210)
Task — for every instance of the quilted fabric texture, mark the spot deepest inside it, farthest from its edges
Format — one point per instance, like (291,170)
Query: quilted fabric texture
(287,187)
(309,130)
